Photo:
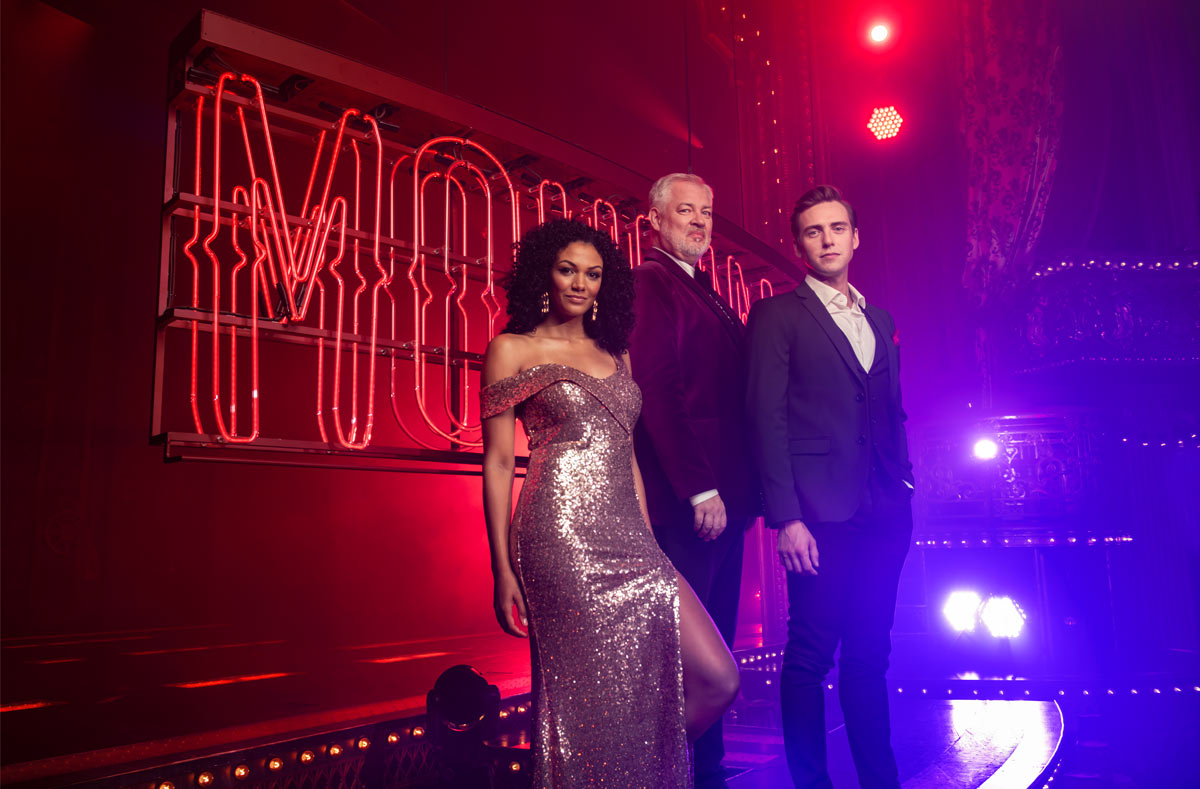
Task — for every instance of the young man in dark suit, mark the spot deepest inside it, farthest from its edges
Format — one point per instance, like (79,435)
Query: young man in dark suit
(687,354)
(827,426)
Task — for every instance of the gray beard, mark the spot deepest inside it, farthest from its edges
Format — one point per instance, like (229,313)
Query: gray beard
(693,250)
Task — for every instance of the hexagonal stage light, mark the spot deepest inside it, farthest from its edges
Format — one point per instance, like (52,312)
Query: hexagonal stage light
(1002,617)
(961,610)
(885,122)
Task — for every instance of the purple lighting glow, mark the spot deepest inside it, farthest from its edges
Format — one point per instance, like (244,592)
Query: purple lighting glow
(961,610)
(1002,617)
(986,449)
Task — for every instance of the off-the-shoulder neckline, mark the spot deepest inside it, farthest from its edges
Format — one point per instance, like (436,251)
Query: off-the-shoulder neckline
(611,375)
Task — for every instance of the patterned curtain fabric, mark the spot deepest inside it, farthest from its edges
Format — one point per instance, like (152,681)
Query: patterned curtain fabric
(1012,123)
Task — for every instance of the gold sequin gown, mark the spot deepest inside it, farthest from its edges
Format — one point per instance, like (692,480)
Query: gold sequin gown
(602,598)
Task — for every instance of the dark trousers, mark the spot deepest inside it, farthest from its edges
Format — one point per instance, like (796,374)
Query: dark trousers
(714,571)
(851,601)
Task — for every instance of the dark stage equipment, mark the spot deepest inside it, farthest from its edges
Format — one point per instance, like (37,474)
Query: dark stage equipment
(464,714)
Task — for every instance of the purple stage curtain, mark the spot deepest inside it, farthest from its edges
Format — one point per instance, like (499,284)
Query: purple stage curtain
(1012,123)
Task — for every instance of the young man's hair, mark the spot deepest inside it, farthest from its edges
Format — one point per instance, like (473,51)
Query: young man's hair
(816,196)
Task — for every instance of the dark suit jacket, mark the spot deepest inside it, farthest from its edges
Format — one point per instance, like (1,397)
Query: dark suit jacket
(807,408)
(687,353)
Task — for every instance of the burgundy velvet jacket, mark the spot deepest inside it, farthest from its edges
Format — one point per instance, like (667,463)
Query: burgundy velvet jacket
(688,356)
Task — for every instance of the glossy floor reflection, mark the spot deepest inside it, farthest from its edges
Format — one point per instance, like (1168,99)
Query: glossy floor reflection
(938,743)
(99,700)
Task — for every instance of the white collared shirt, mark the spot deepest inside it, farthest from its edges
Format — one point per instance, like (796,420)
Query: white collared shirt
(688,267)
(691,272)
(849,317)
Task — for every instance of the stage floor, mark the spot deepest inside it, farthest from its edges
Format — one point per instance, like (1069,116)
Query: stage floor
(118,701)
(938,743)
(106,699)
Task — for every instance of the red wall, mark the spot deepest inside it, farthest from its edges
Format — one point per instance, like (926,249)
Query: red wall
(98,532)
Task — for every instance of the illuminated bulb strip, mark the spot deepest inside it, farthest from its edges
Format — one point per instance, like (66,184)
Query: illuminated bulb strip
(1039,541)
(1140,265)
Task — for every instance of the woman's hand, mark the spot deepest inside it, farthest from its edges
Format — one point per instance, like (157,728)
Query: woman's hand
(506,595)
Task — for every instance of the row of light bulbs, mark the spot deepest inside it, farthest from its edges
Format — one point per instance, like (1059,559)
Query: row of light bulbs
(1158,265)
(1028,541)
(242,771)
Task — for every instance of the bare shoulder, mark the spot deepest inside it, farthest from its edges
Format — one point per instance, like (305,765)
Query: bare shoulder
(505,357)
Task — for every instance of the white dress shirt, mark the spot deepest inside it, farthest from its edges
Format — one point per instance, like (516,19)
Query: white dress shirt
(849,317)
(691,272)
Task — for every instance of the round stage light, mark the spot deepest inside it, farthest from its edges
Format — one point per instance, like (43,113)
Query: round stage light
(961,610)
(879,33)
(885,122)
(1002,617)
(986,449)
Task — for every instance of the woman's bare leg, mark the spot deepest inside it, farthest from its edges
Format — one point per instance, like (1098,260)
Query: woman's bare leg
(710,675)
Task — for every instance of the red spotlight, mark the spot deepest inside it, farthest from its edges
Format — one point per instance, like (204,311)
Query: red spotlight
(879,33)
(885,122)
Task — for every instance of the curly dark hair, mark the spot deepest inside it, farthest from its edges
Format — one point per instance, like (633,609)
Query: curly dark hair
(529,279)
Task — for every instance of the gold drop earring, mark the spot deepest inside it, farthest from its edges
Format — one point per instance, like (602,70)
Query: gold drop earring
(545,303)
(595,308)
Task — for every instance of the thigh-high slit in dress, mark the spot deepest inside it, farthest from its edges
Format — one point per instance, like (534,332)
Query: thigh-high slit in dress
(602,598)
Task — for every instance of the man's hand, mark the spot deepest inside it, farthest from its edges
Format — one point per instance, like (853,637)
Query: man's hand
(709,518)
(506,595)
(798,548)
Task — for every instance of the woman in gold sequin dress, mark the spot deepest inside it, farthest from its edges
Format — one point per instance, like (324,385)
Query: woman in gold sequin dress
(627,665)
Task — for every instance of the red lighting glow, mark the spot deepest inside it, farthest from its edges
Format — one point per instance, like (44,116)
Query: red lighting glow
(29,705)
(385,276)
(885,122)
(401,658)
(228,680)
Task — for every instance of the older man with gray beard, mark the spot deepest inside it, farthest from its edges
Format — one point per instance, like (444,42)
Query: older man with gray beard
(687,353)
